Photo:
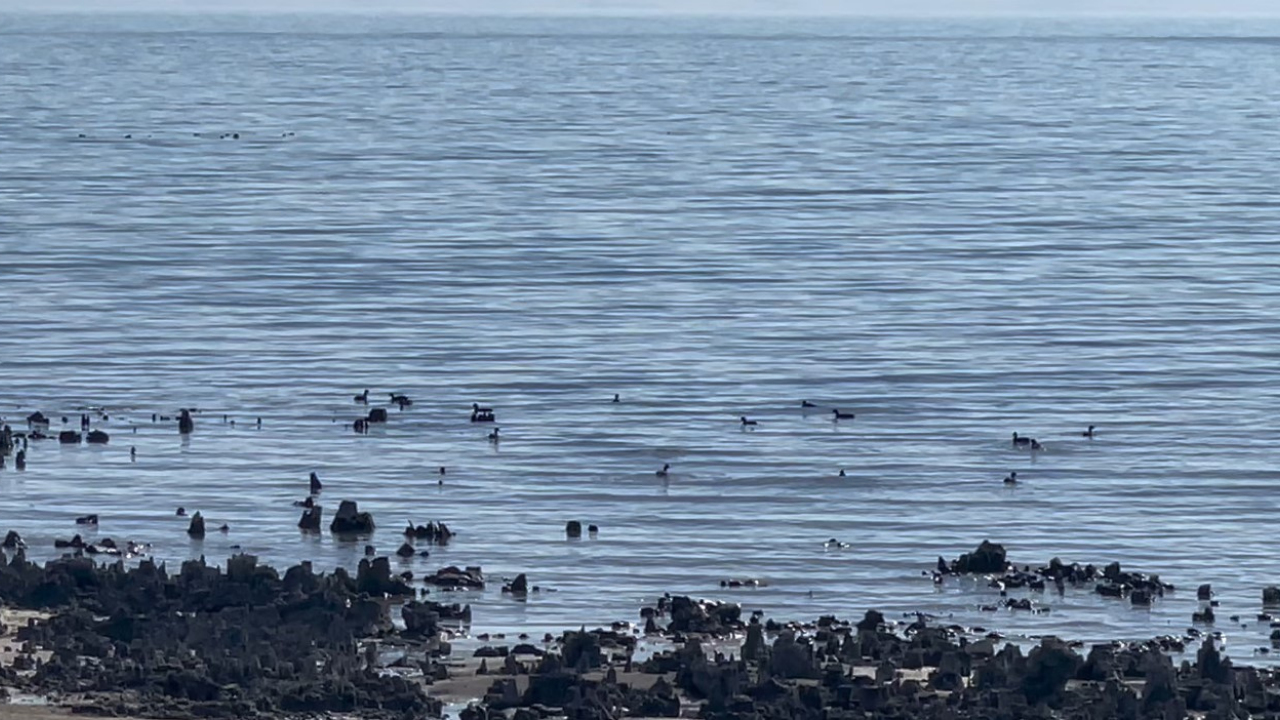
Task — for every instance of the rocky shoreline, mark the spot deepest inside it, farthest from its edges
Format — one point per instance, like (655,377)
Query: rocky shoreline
(248,641)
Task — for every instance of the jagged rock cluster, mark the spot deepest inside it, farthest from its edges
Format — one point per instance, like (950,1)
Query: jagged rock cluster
(865,671)
(212,643)
(990,559)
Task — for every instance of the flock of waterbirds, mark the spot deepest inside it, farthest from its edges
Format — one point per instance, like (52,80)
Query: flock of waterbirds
(38,429)
(17,443)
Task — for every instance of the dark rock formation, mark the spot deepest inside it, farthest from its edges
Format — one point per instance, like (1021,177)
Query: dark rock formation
(310,520)
(988,557)
(453,578)
(206,643)
(350,521)
(518,587)
(196,528)
(432,532)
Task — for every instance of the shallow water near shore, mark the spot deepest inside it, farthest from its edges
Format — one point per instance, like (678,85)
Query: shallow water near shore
(956,231)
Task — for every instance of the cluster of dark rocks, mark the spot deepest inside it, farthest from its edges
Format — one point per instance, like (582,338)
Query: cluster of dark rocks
(1110,580)
(678,616)
(452,578)
(573,529)
(432,532)
(348,520)
(104,546)
(867,671)
(207,642)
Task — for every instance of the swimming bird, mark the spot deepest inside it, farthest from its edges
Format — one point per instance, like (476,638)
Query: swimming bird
(493,436)
(746,422)
(1035,445)
(1011,479)
(616,398)
(316,485)
(1019,441)
(441,469)
(836,415)
(475,408)
(402,400)
(666,468)
(87,520)
(806,403)
(363,397)
(1089,433)
(842,472)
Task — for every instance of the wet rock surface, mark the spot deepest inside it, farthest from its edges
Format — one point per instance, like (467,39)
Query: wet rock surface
(350,521)
(248,641)
(432,532)
(863,670)
(208,642)
(988,557)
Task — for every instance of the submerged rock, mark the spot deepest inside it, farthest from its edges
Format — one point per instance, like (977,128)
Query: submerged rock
(451,577)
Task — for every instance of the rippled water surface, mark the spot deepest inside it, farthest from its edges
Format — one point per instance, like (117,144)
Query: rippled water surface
(956,231)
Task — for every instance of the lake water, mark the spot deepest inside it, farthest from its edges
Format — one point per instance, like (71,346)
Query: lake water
(954,230)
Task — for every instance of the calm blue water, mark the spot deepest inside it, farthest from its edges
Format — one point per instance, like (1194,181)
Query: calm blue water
(956,231)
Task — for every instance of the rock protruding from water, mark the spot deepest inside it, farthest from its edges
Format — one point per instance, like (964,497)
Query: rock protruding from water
(518,587)
(432,532)
(350,521)
(196,528)
(988,557)
(453,578)
(687,615)
(310,520)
